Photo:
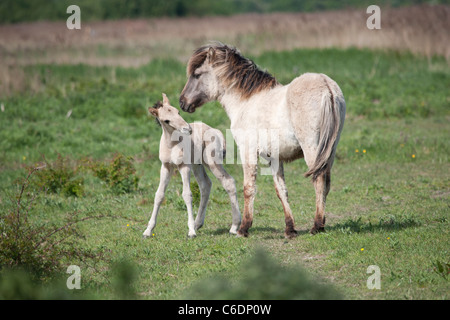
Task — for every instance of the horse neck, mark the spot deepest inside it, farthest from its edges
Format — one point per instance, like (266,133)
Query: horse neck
(234,105)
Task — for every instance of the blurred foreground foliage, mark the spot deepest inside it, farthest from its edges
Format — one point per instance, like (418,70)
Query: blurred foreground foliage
(263,278)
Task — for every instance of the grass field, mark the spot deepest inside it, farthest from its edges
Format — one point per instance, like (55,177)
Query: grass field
(388,205)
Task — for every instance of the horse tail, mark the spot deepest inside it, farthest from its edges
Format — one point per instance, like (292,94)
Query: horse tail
(331,122)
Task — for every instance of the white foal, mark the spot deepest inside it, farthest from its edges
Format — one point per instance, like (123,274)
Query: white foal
(190,147)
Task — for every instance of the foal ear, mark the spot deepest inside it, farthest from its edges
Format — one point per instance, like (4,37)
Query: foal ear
(165,99)
(211,54)
(153,112)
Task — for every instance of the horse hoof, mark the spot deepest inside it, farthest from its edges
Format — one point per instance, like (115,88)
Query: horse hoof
(191,236)
(290,234)
(242,234)
(316,230)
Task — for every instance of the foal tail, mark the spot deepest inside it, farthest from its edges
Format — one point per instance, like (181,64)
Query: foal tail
(331,123)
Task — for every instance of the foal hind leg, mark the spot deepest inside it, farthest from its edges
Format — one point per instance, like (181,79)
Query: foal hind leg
(229,185)
(204,184)
(185,171)
(282,193)
(322,187)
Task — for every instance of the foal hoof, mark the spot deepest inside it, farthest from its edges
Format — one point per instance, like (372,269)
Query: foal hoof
(191,236)
(146,235)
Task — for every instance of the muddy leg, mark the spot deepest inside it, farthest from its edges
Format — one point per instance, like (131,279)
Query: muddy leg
(249,198)
(322,187)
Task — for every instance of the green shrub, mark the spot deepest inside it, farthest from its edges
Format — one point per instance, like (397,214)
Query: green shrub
(37,248)
(119,173)
(59,177)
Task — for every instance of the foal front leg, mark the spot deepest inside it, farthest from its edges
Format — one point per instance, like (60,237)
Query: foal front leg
(250,171)
(166,172)
(185,171)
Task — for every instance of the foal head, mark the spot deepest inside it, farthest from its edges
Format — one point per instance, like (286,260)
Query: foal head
(169,117)
(214,69)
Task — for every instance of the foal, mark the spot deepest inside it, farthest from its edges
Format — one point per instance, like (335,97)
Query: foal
(190,147)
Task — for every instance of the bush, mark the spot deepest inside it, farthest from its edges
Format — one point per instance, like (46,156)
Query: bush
(119,173)
(36,248)
(59,177)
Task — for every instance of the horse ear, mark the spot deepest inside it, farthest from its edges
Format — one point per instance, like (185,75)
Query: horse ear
(211,54)
(165,99)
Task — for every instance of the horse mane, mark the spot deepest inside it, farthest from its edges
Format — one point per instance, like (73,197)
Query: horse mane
(233,69)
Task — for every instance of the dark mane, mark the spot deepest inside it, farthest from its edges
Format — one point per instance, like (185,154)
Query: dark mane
(234,70)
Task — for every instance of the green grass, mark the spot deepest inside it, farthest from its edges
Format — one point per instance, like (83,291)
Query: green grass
(384,200)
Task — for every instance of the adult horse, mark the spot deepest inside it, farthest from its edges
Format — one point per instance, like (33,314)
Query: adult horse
(304,118)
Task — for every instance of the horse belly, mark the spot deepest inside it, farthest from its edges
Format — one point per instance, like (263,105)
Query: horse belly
(289,148)
(278,143)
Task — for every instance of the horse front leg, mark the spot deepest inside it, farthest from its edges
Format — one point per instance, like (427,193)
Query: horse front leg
(250,171)
(185,171)
(282,193)
(166,172)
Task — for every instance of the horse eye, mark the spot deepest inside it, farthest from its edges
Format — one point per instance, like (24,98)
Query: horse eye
(167,121)
(197,76)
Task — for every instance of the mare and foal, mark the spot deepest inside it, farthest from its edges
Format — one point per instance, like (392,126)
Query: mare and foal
(304,119)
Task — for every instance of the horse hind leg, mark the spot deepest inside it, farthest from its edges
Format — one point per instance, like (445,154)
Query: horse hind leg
(322,188)
(282,193)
